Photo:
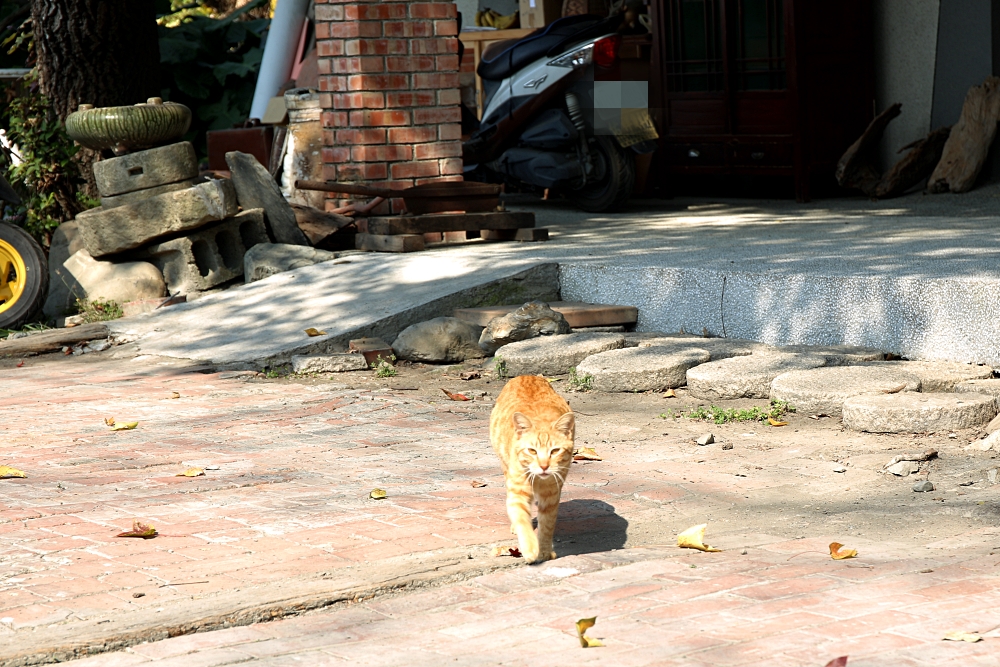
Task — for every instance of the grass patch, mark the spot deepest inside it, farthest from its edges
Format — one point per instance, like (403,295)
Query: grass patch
(500,366)
(580,381)
(717,415)
(384,367)
(27,328)
(99,310)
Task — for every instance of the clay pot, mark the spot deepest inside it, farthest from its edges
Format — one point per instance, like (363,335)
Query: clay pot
(127,128)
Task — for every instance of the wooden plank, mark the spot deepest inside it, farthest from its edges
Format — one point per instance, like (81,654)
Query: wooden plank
(530,234)
(52,340)
(317,225)
(576,313)
(384,243)
(449,222)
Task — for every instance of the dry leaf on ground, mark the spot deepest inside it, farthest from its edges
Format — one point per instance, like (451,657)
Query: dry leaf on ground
(670,393)
(175,394)
(694,538)
(313,331)
(506,551)
(20,363)
(127,426)
(476,484)
(7,471)
(821,415)
(895,390)
(191,472)
(970,637)
(455,397)
(139,529)
(838,662)
(775,422)
(377,494)
(837,554)
(471,375)
(586,454)
(582,626)
(110,421)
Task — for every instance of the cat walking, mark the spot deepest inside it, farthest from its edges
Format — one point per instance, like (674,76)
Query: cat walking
(532,430)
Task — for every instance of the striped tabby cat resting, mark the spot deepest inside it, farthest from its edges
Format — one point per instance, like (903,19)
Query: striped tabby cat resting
(531,430)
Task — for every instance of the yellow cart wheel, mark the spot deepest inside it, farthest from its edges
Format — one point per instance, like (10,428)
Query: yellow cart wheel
(24,276)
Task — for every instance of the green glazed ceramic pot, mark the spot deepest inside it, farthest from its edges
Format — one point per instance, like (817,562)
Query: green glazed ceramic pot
(126,128)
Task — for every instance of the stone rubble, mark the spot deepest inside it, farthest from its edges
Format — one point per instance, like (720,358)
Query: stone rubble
(824,390)
(267,259)
(329,363)
(446,340)
(142,170)
(531,320)
(108,281)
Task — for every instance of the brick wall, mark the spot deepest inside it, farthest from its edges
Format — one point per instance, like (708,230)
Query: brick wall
(389,91)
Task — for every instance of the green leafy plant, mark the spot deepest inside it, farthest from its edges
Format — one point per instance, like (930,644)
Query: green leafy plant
(99,310)
(500,366)
(718,415)
(384,368)
(580,381)
(211,66)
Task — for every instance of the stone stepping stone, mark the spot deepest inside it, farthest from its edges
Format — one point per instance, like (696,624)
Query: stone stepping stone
(745,377)
(718,348)
(942,375)
(911,412)
(641,368)
(554,355)
(991,387)
(838,355)
(824,390)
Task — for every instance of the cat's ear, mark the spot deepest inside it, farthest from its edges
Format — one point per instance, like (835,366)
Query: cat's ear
(521,423)
(566,424)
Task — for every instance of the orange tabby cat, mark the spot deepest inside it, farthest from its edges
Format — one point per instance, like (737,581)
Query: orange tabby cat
(531,429)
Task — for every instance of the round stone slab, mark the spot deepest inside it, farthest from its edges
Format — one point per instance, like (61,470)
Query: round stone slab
(745,377)
(641,368)
(838,355)
(911,412)
(553,355)
(719,348)
(824,390)
(942,375)
(991,387)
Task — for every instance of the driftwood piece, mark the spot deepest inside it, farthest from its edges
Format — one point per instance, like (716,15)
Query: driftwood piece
(912,456)
(856,168)
(318,225)
(965,151)
(914,166)
(52,340)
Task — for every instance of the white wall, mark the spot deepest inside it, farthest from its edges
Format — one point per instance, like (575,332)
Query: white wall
(905,39)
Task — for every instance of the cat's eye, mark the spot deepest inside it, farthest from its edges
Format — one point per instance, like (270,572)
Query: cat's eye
(531,451)
(555,451)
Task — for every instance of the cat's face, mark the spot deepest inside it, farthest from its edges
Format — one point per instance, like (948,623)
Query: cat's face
(544,450)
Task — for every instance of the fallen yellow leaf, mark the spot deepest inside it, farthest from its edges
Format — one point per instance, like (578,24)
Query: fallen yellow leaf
(313,331)
(7,471)
(670,393)
(582,626)
(191,472)
(694,538)
(970,637)
(139,529)
(455,397)
(175,394)
(506,551)
(377,494)
(110,421)
(586,454)
(837,554)
(775,422)
(476,484)
(127,426)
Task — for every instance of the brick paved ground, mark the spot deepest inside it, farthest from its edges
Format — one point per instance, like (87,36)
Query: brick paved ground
(289,502)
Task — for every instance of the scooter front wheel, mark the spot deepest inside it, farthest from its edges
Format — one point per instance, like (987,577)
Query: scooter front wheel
(615,169)
(24,276)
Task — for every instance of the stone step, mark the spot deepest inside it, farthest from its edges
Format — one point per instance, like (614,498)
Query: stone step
(745,377)
(942,375)
(824,390)
(719,348)
(989,386)
(838,355)
(578,314)
(554,355)
(911,412)
(641,368)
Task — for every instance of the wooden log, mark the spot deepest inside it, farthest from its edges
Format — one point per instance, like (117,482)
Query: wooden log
(449,222)
(317,225)
(387,243)
(856,168)
(52,340)
(915,166)
(532,234)
(965,151)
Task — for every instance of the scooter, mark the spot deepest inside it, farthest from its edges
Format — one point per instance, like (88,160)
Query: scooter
(539,127)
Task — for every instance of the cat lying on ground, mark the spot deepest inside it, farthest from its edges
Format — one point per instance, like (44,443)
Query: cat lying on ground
(532,430)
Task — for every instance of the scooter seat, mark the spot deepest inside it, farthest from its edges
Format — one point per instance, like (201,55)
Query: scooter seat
(502,59)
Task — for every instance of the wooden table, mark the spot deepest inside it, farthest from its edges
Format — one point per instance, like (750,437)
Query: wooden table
(476,41)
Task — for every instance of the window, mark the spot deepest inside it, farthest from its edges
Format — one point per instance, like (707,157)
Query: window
(694,54)
(760,60)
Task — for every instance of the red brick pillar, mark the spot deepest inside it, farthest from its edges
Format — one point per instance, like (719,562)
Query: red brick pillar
(389,91)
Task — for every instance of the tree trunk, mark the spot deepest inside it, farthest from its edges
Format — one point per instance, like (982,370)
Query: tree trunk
(100,52)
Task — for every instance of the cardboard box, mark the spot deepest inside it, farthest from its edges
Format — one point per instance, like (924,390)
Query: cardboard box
(539,13)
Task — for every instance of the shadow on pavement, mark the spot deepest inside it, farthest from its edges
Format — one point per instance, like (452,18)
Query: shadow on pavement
(589,526)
